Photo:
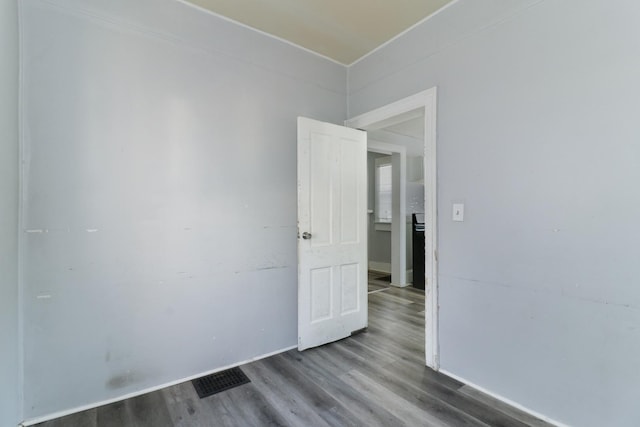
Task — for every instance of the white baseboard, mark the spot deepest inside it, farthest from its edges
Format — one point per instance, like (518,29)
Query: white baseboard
(504,399)
(380,267)
(395,285)
(59,414)
(385,267)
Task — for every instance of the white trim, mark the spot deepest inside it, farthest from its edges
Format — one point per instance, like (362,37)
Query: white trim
(504,399)
(426,100)
(380,267)
(264,33)
(382,226)
(397,36)
(432,338)
(22,176)
(389,111)
(383,147)
(59,414)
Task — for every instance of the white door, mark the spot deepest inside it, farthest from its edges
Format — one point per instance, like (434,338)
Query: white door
(332,228)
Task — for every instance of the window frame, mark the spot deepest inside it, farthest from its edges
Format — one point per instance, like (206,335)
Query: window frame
(383,162)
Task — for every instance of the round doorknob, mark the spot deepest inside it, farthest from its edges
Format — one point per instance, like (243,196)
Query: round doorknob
(306,235)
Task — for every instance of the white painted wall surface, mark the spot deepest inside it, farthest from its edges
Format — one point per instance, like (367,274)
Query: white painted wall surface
(538,136)
(160,194)
(9,348)
(9,356)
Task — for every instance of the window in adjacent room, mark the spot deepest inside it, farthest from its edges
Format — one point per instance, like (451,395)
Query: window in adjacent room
(383,189)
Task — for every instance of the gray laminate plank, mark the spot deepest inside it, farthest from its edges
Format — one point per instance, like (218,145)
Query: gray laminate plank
(421,376)
(326,406)
(433,386)
(149,410)
(416,295)
(410,322)
(503,407)
(389,296)
(391,348)
(376,287)
(393,307)
(114,415)
(440,410)
(248,407)
(407,412)
(400,319)
(400,343)
(186,408)
(283,398)
(366,411)
(87,418)
(392,325)
(372,355)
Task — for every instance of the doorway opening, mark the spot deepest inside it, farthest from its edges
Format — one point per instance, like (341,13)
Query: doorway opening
(405,131)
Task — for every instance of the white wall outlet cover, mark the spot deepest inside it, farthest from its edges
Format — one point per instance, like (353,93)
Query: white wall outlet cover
(458,212)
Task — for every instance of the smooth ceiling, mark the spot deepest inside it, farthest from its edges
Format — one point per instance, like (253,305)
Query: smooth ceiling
(343,30)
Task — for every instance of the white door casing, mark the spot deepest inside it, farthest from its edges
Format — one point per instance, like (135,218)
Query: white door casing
(421,103)
(332,232)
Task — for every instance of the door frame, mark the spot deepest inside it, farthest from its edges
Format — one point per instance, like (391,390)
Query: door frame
(387,116)
(398,155)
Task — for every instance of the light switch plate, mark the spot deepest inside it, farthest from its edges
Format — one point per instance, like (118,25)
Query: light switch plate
(458,212)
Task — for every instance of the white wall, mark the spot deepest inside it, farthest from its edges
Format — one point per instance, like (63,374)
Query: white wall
(9,357)
(538,136)
(160,194)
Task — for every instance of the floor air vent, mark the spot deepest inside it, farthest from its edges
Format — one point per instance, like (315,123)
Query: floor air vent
(220,381)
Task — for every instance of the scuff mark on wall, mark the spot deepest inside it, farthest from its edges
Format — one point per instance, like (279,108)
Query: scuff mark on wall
(122,380)
(277,267)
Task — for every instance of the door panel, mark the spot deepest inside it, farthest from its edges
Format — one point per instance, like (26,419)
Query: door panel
(332,241)
(350,277)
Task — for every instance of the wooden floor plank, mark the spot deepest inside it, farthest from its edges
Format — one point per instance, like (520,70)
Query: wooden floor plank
(324,404)
(114,415)
(434,387)
(376,287)
(502,407)
(410,414)
(441,411)
(185,407)
(81,419)
(149,410)
(366,411)
(247,406)
(284,399)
